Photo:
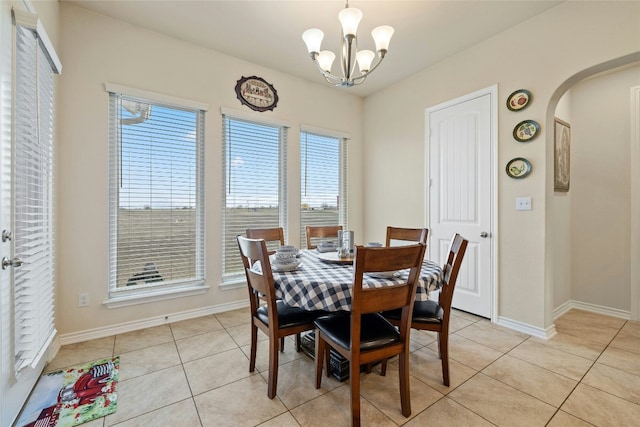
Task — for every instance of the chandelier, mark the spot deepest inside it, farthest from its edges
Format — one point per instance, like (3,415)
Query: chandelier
(349,18)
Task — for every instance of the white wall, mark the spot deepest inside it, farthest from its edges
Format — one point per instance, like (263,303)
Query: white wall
(96,49)
(540,55)
(600,200)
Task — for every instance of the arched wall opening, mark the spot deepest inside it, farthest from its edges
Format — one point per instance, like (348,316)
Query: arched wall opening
(567,214)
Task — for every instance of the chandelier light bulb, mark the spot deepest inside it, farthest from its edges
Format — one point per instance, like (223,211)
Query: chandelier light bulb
(313,39)
(382,36)
(365,58)
(325,60)
(350,19)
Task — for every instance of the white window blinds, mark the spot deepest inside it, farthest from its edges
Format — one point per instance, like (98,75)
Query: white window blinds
(323,195)
(33,228)
(254,183)
(157,197)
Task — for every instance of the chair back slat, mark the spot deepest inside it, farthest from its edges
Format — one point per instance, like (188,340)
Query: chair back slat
(370,260)
(418,235)
(321,232)
(273,237)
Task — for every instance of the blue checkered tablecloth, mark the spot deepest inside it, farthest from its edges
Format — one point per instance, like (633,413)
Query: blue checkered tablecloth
(317,285)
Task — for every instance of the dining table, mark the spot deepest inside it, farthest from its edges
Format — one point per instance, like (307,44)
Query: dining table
(323,281)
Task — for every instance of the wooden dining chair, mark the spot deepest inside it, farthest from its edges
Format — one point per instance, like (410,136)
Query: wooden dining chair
(397,234)
(364,335)
(276,319)
(273,237)
(321,232)
(434,316)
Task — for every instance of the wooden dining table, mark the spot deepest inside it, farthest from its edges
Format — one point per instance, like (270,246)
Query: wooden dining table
(323,281)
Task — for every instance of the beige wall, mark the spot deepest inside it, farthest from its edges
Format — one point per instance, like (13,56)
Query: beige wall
(600,201)
(540,55)
(96,49)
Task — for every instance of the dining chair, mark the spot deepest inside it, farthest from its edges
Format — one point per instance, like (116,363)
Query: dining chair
(276,319)
(321,232)
(398,234)
(364,335)
(401,235)
(270,235)
(434,316)
(273,237)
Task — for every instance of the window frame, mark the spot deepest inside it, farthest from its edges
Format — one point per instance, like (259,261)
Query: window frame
(124,296)
(343,208)
(236,280)
(342,177)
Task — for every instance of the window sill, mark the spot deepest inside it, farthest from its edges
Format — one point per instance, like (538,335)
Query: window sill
(147,297)
(233,283)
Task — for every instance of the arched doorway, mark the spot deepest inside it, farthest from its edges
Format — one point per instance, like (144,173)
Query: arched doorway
(559,258)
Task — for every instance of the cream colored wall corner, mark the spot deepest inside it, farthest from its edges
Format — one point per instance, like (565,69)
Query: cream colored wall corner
(96,49)
(539,54)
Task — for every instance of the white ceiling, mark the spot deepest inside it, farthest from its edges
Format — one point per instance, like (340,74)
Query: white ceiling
(269,33)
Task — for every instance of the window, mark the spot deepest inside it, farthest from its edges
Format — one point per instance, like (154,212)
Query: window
(323,199)
(33,221)
(254,184)
(156,198)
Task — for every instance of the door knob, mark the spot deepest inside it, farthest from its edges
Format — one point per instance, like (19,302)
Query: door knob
(16,262)
(6,235)
(484,234)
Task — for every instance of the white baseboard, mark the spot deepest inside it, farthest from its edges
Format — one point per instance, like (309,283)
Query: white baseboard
(593,308)
(527,329)
(135,325)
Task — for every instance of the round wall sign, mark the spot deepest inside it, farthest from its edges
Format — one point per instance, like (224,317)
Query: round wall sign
(256,93)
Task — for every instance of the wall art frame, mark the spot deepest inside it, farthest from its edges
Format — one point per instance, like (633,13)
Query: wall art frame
(562,155)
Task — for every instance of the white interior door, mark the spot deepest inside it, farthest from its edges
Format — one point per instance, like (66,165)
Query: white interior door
(460,137)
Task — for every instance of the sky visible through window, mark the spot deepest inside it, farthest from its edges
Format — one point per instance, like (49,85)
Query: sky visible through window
(319,164)
(158,163)
(252,162)
(158,159)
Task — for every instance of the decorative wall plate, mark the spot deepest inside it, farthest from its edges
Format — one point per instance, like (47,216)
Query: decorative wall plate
(518,168)
(526,130)
(256,93)
(518,100)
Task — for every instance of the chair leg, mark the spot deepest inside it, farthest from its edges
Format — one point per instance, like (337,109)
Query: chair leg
(383,367)
(354,378)
(298,343)
(444,355)
(273,369)
(320,345)
(405,394)
(254,345)
(281,344)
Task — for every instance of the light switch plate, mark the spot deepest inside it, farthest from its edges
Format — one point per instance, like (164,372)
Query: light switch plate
(523,203)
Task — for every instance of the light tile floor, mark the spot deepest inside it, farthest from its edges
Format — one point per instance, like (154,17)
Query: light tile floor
(196,373)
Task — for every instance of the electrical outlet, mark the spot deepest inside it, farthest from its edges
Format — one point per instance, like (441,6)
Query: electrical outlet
(83,300)
(523,203)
